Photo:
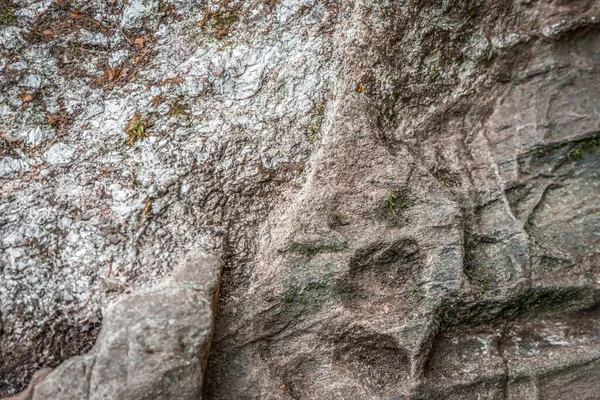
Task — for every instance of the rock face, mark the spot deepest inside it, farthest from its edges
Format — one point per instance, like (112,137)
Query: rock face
(153,344)
(405,195)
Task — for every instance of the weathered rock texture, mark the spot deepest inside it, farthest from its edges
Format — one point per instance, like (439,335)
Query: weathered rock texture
(405,193)
(154,344)
(27,394)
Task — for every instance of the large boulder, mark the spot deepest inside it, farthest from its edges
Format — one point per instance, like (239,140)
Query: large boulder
(154,343)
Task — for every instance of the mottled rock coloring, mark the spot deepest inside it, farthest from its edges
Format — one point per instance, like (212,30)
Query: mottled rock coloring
(404,194)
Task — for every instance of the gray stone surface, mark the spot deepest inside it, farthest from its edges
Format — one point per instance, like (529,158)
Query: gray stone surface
(153,344)
(226,135)
(404,193)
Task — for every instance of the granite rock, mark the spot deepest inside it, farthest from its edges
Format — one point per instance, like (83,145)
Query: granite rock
(404,194)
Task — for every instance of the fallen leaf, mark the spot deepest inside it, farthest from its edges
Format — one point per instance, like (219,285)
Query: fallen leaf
(113,74)
(157,100)
(147,208)
(140,41)
(282,387)
(360,89)
(47,32)
(27,98)
(53,120)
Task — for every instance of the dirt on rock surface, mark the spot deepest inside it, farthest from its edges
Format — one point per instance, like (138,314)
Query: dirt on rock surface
(405,194)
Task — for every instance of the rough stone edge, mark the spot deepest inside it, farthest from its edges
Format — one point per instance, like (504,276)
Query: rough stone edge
(27,394)
(183,275)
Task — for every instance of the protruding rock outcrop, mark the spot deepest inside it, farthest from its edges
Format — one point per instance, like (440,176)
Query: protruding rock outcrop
(154,343)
